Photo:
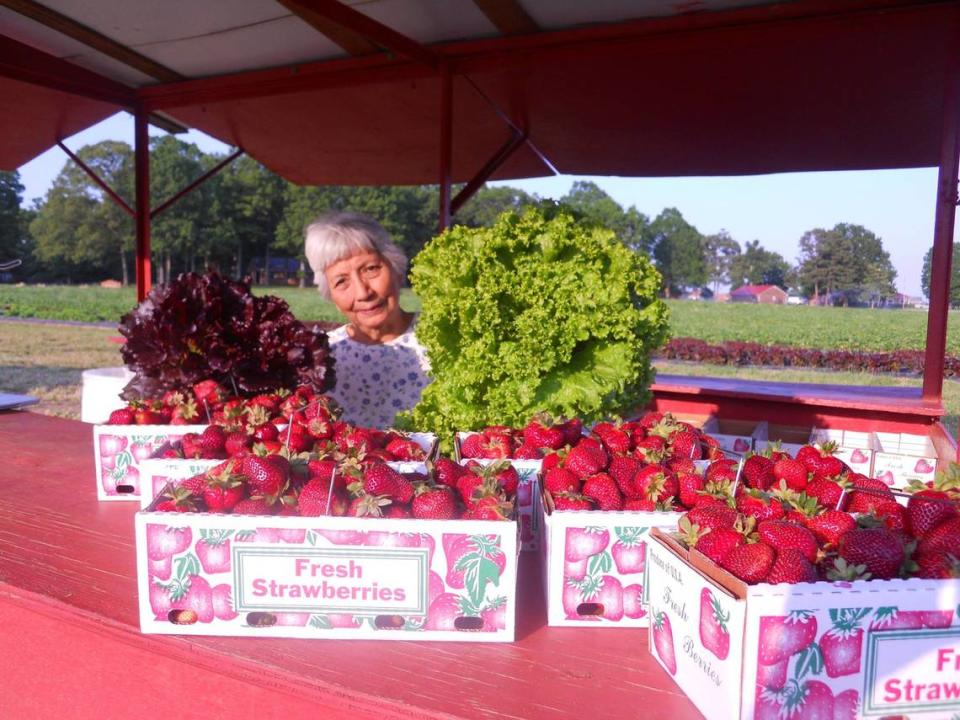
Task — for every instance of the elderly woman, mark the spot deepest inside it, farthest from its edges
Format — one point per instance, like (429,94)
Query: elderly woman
(381,368)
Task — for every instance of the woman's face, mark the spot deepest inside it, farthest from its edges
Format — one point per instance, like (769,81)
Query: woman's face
(363,289)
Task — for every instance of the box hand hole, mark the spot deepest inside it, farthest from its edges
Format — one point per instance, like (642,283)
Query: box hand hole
(468,623)
(589,609)
(261,619)
(388,622)
(125,489)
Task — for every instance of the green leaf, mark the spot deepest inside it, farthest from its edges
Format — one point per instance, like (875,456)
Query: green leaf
(479,571)
(809,662)
(630,535)
(321,622)
(600,564)
(186,565)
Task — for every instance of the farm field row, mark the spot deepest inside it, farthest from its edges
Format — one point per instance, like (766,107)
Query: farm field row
(804,326)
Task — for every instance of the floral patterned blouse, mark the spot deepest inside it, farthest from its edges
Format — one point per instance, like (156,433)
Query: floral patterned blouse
(375,382)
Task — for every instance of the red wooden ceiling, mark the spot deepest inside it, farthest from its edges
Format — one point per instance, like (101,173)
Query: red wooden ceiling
(762,93)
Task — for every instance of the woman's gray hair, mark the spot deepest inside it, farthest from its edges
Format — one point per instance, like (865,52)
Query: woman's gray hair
(336,236)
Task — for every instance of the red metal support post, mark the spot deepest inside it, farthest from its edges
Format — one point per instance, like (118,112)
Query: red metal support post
(141,154)
(940,265)
(446,146)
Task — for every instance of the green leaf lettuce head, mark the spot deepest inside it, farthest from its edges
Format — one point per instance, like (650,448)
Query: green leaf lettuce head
(534,314)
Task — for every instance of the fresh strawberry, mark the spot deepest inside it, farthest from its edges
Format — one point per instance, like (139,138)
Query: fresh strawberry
(266,477)
(542,432)
(253,506)
(314,497)
(651,449)
(758,472)
(686,444)
(926,509)
(583,461)
(878,549)
(782,535)
(472,446)
(712,516)
(561,480)
(714,634)
(722,469)
(179,499)
(623,469)
(237,443)
(528,452)
(865,493)
(224,489)
(148,416)
(830,526)
(827,492)
(614,440)
(751,563)
(405,449)
(212,438)
(716,543)
(571,501)
(209,393)
(123,416)
(381,479)
(938,553)
(369,506)
(791,566)
(791,472)
(434,503)
(506,475)
(691,484)
(447,472)
(489,508)
(603,490)
(759,505)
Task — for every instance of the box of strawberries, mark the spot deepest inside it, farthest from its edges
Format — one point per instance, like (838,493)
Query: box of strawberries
(266,545)
(812,594)
(601,498)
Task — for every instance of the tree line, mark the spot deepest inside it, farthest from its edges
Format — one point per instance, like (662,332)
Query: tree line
(247,214)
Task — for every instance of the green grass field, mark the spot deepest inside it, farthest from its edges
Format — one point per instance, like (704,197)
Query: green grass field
(818,327)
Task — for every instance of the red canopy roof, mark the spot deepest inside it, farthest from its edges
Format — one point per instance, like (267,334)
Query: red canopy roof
(793,86)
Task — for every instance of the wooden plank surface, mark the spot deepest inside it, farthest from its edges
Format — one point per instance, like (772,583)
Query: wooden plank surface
(68,605)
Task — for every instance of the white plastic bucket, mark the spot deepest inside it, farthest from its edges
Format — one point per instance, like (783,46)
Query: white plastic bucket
(101,393)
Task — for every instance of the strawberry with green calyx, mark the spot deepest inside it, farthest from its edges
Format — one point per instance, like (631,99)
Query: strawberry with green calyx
(827,492)
(928,507)
(613,437)
(759,505)
(544,432)
(369,506)
(184,411)
(225,488)
(792,473)
(560,480)
(490,508)
(314,499)
(836,569)
(713,516)
(585,460)
(717,543)
(863,493)
(691,485)
(571,501)
(623,469)
(445,471)
(938,552)
(721,469)
(879,549)
(404,449)
(382,480)
(666,426)
(652,449)
(649,483)
(266,475)
(685,443)
(178,499)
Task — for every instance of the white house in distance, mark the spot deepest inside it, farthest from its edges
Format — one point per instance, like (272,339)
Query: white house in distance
(767,294)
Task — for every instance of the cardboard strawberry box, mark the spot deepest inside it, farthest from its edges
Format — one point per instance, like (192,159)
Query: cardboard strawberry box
(326,577)
(813,650)
(787,438)
(901,459)
(530,529)
(595,565)
(119,451)
(736,436)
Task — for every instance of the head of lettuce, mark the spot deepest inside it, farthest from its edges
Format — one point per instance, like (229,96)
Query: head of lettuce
(538,313)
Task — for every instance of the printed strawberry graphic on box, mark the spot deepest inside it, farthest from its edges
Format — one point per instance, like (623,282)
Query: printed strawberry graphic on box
(781,637)
(923,467)
(858,457)
(713,625)
(663,641)
(841,645)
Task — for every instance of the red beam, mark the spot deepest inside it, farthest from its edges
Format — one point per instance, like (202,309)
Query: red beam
(940,263)
(141,154)
(376,32)
(446,147)
(98,180)
(27,64)
(196,183)
(516,140)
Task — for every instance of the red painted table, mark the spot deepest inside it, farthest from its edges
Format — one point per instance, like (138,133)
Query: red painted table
(70,644)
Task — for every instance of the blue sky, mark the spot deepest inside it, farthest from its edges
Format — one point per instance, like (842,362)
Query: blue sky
(897,205)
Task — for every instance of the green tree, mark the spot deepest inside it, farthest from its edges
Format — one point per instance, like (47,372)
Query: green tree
(758,266)
(11,235)
(630,226)
(489,203)
(720,251)
(80,234)
(678,251)
(954,275)
(845,265)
